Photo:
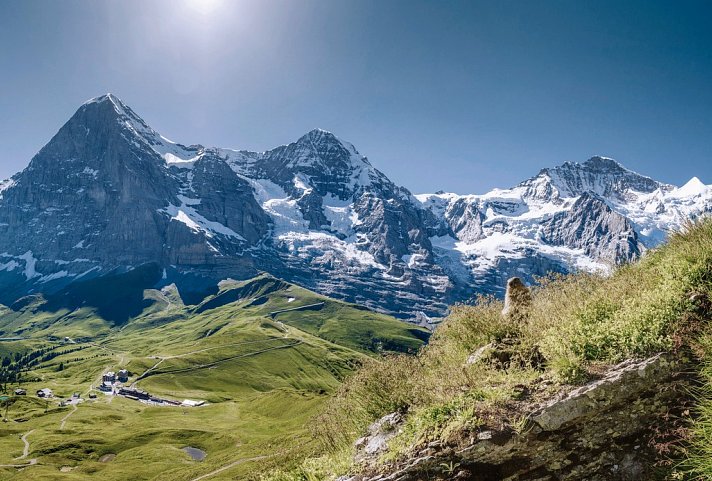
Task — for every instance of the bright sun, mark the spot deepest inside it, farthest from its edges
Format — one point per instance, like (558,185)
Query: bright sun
(204,6)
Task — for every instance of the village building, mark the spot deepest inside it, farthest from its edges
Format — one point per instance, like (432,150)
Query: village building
(123,375)
(109,377)
(45,393)
(106,386)
(134,393)
(20,392)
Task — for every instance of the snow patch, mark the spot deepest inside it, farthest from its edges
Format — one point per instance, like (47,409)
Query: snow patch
(30,263)
(92,172)
(51,277)
(188,216)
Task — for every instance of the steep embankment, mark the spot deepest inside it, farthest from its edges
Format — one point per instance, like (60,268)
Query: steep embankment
(594,385)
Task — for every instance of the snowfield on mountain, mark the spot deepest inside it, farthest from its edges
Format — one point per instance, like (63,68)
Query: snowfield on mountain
(108,194)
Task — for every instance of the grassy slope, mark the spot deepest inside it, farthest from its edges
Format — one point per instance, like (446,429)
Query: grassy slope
(579,324)
(264,379)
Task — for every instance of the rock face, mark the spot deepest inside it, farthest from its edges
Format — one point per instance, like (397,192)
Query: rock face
(592,226)
(600,432)
(108,194)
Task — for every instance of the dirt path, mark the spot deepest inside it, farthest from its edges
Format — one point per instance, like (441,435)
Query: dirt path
(26,450)
(148,371)
(30,462)
(231,465)
(215,363)
(64,419)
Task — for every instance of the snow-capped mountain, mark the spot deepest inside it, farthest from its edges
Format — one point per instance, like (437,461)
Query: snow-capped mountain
(108,194)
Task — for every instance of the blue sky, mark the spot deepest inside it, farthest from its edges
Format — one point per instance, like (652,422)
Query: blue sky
(458,96)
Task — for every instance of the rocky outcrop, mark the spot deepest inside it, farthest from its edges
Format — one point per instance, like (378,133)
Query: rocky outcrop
(599,175)
(602,431)
(591,225)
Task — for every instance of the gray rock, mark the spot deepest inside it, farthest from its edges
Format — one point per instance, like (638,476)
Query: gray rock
(480,354)
(376,440)
(622,382)
(603,431)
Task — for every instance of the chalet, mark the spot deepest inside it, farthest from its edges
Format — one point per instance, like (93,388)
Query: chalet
(45,393)
(123,375)
(20,392)
(109,377)
(92,395)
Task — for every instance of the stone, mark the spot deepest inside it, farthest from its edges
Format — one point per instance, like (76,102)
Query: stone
(480,354)
(379,433)
(622,382)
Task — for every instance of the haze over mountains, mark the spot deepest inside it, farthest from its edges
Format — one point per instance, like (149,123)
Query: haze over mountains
(108,194)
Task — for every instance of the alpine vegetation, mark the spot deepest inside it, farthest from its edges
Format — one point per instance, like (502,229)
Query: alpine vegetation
(601,374)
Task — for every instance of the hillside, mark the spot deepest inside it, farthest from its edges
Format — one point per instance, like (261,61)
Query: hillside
(607,379)
(262,354)
(108,194)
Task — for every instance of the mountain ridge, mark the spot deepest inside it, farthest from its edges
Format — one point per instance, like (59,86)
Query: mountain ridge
(108,192)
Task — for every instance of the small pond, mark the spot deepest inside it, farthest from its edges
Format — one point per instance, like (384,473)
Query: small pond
(195,453)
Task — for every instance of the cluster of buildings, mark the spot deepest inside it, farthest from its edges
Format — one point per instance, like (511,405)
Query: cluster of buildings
(139,395)
(110,380)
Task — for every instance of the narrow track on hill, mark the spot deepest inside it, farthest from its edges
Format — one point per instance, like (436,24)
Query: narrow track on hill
(30,462)
(150,371)
(233,464)
(26,449)
(219,361)
(64,419)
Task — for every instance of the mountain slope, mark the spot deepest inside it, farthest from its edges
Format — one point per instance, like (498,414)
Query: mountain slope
(109,194)
(261,375)
(602,381)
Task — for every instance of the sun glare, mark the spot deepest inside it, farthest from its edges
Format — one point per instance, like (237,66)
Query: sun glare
(204,7)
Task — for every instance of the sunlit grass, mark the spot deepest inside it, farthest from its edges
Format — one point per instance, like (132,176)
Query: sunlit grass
(576,323)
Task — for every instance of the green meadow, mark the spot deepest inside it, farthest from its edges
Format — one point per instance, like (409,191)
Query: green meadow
(263,354)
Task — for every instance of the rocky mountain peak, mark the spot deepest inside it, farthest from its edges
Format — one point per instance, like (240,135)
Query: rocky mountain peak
(323,148)
(108,113)
(600,175)
(317,161)
(603,164)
